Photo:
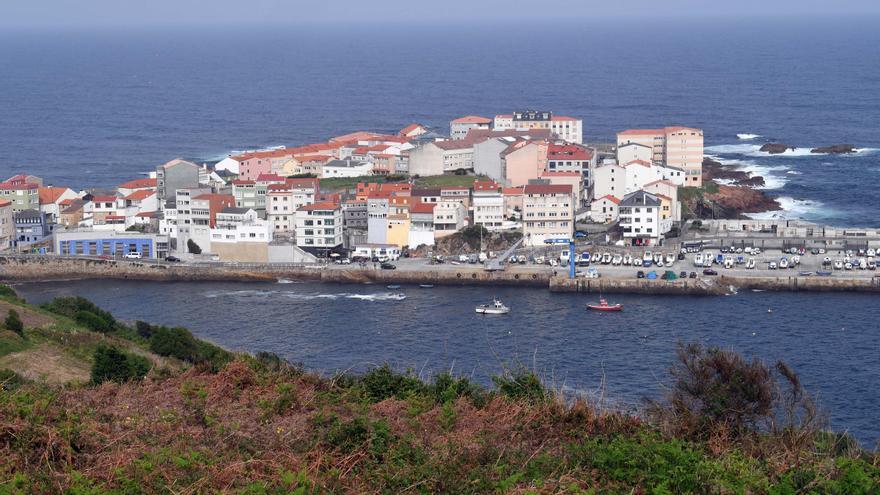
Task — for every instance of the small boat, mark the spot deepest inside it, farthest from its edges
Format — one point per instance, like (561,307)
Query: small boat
(496,308)
(392,287)
(426,286)
(400,296)
(604,306)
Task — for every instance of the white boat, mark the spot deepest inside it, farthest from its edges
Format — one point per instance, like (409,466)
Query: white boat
(863,264)
(795,260)
(659,262)
(728,262)
(627,259)
(606,258)
(496,308)
(658,258)
(397,297)
(848,266)
(772,265)
(838,265)
(637,262)
(698,260)
(871,253)
(750,265)
(596,258)
(783,263)
(648,256)
(670,259)
(617,259)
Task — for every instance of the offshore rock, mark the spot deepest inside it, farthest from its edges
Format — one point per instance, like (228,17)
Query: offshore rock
(835,149)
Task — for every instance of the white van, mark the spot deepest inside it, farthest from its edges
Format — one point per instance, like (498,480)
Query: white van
(134,255)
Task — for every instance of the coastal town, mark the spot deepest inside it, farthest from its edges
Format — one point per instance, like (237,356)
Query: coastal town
(526,178)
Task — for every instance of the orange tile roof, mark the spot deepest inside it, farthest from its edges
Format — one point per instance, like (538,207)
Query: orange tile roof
(485,185)
(512,191)
(412,127)
(139,184)
(563,118)
(4,202)
(472,119)
(319,206)
(422,208)
(49,195)
(568,152)
(103,199)
(139,195)
(613,199)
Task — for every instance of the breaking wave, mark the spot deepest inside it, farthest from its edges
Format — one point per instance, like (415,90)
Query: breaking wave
(748,137)
(298,296)
(792,209)
(732,149)
(771,174)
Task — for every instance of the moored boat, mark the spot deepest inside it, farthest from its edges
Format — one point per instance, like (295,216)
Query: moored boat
(392,287)
(426,286)
(604,306)
(496,308)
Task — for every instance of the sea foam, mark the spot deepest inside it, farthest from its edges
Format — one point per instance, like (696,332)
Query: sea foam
(748,137)
(791,209)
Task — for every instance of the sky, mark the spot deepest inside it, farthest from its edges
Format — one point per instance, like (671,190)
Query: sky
(27,14)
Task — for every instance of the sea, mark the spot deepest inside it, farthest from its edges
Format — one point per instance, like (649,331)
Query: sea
(96,108)
(614,359)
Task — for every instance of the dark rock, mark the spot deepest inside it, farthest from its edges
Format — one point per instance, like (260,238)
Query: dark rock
(836,149)
(755,181)
(776,148)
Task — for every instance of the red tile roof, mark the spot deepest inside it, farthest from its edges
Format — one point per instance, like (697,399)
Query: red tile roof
(547,189)
(319,206)
(568,152)
(49,195)
(145,214)
(242,182)
(485,185)
(103,199)
(563,118)
(408,129)
(4,202)
(472,119)
(613,199)
(139,195)
(512,191)
(18,187)
(139,184)
(270,178)
(422,208)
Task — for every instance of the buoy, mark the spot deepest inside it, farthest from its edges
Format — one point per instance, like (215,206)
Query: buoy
(753,334)
(769,310)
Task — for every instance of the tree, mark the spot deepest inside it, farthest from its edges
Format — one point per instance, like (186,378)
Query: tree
(193,247)
(111,364)
(13,322)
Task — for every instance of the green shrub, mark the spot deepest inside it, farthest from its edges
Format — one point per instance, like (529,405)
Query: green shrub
(192,247)
(112,364)
(93,322)
(71,306)
(8,292)
(383,383)
(143,329)
(179,343)
(10,380)
(13,322)
(520,383)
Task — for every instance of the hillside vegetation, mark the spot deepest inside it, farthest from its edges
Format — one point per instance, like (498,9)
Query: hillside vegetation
(201,420)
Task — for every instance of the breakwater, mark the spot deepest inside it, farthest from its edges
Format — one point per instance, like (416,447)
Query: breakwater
(22,269)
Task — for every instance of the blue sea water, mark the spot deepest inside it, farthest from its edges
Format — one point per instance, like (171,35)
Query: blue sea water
(98,108)
(831,340)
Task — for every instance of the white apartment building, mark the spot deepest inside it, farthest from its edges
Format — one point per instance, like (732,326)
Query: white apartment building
(346,168)
(319,227)
(488,205)
(604,209)
(449,217)
(439,157)
(377,220)
(459,127)
(548,213)
(568,129)
(641,218)
(186,218)
(679,147)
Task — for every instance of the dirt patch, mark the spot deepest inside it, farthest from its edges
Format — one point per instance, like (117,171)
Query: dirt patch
(30,318)
(47,363)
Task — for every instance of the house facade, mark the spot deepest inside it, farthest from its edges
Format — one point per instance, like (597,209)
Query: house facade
(548,213)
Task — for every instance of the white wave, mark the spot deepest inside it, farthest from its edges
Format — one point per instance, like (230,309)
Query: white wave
(733,149)
(866,151)
(240,293)
(792,209)
(796,152)
(793,172)
(724,182)
(748,137)
(771,173)
(286,281)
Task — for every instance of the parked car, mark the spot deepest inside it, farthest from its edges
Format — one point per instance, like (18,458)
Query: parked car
(580,234)
(387,266)
(640,274)
(132,256)
(709,271)
(692,275)
(172,259)
(683,275)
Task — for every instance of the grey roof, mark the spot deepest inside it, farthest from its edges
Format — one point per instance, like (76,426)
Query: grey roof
(640,198)
(345,163)
(234,210)
(25,214)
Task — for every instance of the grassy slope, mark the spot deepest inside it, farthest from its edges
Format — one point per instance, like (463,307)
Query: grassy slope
(259,427)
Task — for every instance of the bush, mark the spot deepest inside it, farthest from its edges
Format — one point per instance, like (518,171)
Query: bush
(111,364)
(192,247)
(143,329)
(10,380)
(383,383)
(8,292)
(73,306)
(179,343)
(521,383)
(13,322)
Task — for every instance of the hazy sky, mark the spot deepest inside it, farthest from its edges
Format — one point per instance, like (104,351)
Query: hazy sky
(88,13)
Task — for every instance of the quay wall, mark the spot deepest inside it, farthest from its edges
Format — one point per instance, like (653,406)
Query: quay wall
(47,269)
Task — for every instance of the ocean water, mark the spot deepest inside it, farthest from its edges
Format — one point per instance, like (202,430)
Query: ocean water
(98,108)
(831,340)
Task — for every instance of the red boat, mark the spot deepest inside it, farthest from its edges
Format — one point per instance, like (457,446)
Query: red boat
(604,306)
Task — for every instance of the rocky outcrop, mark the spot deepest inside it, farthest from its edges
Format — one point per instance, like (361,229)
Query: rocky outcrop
(776,148)
(728,201)
(713,170)
(735,201)
(835,149)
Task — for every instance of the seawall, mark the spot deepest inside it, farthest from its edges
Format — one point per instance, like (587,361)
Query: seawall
(23,269)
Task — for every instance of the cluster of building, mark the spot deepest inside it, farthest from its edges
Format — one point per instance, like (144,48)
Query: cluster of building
(531,171)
